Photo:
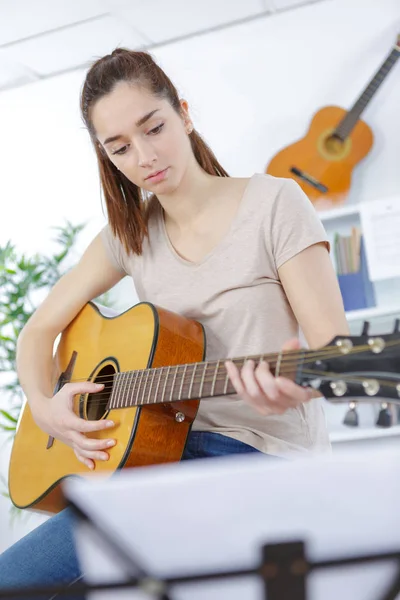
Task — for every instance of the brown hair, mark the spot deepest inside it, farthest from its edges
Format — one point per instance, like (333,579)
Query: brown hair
(124,200)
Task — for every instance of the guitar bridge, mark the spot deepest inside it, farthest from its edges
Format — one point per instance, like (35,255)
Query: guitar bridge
(309,179)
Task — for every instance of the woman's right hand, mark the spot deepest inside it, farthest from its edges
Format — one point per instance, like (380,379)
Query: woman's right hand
(56,417)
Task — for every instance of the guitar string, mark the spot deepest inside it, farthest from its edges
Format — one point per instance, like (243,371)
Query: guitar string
(288,358)
(320,374)
(102,399)
(285,369)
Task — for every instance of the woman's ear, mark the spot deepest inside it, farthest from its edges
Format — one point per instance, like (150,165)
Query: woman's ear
(184,107)
(185,116)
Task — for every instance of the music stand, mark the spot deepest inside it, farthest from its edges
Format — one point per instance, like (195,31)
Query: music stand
(214,515)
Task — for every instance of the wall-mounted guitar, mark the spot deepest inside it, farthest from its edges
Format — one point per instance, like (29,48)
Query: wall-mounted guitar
(151,363)
(322,161)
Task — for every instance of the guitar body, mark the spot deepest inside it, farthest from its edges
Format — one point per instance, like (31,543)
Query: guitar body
(328,160)
(142,337)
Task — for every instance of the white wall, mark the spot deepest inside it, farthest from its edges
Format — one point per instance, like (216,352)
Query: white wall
(252,89)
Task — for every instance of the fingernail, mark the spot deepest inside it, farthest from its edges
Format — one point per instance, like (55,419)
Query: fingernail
(110,443)
(110,424)
(99,384)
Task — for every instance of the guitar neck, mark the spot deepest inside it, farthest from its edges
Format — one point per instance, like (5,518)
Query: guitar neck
(347,124)
(193,381)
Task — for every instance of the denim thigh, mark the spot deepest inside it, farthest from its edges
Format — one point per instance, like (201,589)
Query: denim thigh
(45,556)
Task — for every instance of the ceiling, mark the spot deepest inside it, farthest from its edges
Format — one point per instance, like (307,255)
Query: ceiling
(43,38)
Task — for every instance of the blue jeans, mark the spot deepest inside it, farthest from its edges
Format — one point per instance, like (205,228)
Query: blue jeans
(47,556)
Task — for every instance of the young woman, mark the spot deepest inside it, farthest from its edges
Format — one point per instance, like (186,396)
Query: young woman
(247,257)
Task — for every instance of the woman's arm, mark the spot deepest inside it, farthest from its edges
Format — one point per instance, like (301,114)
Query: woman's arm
(311,286)
(93,276)
(312,289)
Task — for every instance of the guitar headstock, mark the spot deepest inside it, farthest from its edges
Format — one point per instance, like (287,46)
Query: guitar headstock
(364,366)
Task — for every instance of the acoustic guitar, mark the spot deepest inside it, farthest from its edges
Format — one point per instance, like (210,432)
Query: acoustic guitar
(322,162)
(151,362)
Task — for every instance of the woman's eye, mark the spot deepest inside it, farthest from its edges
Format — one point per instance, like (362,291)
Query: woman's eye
(120,151)
(156,129)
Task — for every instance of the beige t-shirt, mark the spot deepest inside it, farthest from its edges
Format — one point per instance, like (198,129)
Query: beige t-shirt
(235,292)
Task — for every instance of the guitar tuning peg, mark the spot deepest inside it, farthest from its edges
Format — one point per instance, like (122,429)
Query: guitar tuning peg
(396,326)
(351,417)
(384,417)
(365,328)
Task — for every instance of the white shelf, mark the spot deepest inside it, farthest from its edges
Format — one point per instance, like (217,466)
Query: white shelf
(336,214)
(365,314)
(363,434)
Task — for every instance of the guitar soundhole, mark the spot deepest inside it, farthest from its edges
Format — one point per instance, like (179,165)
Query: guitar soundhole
(334,145)
(96,404)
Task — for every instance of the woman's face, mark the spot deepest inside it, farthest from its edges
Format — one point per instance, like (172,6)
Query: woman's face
(144,137)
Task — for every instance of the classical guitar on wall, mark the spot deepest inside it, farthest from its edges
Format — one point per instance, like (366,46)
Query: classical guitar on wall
(151,363)
(322,161)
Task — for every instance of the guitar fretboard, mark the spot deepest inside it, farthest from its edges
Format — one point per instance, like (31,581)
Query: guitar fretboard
(347,124)
(185,382)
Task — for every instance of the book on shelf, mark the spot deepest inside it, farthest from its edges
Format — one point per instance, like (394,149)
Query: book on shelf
(347,251)
(352,271)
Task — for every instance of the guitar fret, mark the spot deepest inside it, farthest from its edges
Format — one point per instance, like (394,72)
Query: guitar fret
(128,385)
(278,364)
(298,372)
(124,388)
(112,397)
(165,384)
(226,383)
(173,384)
(145,383)
(214,378)
(158,383)
(117,386)
(182,380)
(128,389)
(191,382)
(139,385)
(153,373)
(202,379)
(135,374)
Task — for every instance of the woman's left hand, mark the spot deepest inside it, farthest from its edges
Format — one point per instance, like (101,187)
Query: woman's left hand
(266,393)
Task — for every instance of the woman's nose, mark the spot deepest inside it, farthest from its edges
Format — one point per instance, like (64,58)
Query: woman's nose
(146,155)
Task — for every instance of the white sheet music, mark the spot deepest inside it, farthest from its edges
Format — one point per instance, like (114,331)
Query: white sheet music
(380,221)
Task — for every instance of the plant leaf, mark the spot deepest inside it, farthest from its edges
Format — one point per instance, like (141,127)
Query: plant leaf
(8,416)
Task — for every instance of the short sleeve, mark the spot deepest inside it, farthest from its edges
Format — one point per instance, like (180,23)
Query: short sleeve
(115,251)
(295,224)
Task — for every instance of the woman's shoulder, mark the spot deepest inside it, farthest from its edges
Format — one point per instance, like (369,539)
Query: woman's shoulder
(257,184)
(276,193)
(272,185)
(262,192)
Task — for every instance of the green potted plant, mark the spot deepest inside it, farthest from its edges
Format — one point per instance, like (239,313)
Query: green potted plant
(24,281)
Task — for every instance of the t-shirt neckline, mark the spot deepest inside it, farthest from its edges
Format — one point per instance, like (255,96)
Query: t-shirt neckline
(236,219)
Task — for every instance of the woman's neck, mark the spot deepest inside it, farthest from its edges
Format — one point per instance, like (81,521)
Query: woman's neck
(191,199)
